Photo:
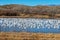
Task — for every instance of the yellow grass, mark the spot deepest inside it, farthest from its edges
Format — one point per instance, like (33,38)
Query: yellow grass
(28,36)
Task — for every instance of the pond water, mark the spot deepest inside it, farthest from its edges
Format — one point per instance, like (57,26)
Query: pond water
(29,25)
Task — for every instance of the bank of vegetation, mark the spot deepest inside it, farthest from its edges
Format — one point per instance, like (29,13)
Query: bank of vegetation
(30,11)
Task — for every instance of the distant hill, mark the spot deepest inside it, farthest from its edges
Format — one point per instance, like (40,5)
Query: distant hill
(22,10)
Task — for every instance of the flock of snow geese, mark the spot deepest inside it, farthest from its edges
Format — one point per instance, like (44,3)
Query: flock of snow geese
(29,23)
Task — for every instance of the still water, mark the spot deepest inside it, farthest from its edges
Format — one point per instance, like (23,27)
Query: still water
(29,25)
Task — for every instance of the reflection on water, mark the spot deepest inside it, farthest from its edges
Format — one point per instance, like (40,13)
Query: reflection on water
(29,25)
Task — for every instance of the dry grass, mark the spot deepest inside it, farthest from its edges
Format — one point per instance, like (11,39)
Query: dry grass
(32,16)
(28,36)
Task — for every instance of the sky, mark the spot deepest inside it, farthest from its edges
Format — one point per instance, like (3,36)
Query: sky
(30,2)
